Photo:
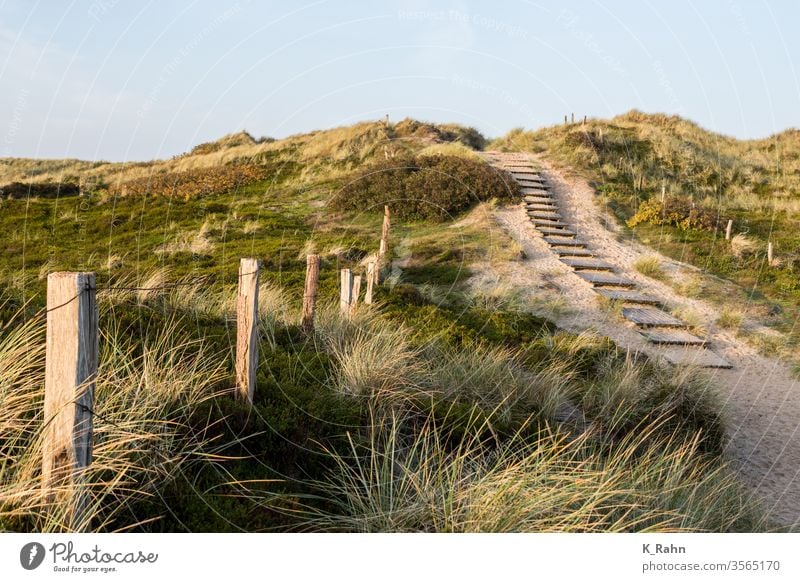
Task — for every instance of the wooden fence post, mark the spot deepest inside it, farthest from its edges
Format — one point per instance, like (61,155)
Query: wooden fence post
(384,247)
(247,328)
(565,119)
(572,118)
(728,230)
(355,293)
(346,292)
(769,253)
(70,370)
(370,282)
(310,294)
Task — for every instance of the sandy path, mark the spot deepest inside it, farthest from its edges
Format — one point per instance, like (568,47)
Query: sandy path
(762,399)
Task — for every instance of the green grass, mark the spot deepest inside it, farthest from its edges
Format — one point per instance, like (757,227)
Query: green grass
(650,266)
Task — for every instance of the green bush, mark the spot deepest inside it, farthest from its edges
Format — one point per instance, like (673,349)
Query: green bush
(675,211)
(40,189)
(430,187)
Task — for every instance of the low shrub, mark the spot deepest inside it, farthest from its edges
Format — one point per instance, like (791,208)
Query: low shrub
(191,183)
(40,190)
(424,187)
(675,211)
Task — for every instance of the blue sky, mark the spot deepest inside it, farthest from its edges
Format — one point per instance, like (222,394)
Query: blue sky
(125,80)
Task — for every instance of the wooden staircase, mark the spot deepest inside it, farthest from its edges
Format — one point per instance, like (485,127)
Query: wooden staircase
(643,311)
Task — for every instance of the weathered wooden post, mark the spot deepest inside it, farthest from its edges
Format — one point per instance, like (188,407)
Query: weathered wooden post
(346,292)
(355,293)
(572,118)
(70,369)
(565,119)
(370,282)
(384,247)
(310,294)
(584,120)
(247,328)
(385,233)
(728,230)
(769,253)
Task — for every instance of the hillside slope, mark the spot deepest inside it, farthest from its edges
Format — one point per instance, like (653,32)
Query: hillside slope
(707,180)
(439,408)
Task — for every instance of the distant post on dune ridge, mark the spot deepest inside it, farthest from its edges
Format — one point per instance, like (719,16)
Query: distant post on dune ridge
(247,328)
(728,230)
(345,292)
(769,254)
(310,294)
(71,356)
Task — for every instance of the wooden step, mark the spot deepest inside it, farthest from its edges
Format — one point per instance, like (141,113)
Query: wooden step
(588,264)
(526,175)
(690,356)
(539,207)
(625,296)
(650,317)
(536,191)
(573,252)
(564,242)
(548,223)
(673,337)
(531,184)
(556,231)
(539,199)
(534,215)
(605,279)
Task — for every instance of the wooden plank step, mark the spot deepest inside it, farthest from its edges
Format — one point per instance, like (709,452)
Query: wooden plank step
(563,242)
(549,223)
(626,296)
(555,220)
(541,200)
(588,264)
(540,207)
(556,231)
(651,317)
(605,279)
(689,356)
(538,196)
(526,175)
(673,337)
(536,191)
(531,183)
(573,252)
